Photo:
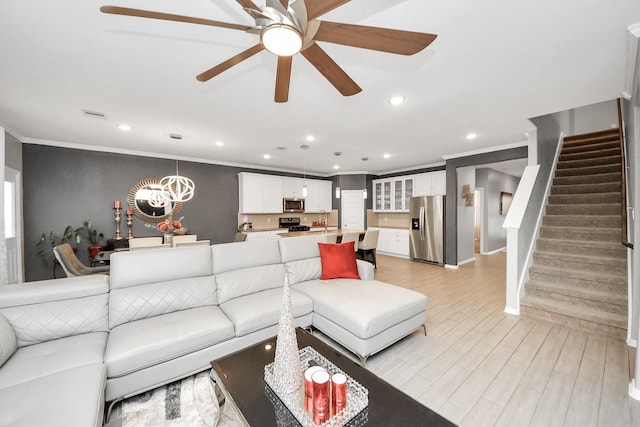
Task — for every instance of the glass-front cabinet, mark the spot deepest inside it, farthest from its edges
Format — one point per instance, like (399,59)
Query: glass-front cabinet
(392,194)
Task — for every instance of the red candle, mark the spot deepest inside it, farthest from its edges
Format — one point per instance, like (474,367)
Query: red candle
(338,393)
(320,396)
(129,211)
(308,387)
(117,204)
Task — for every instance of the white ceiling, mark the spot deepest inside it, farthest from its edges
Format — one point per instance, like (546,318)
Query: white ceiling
(493,66)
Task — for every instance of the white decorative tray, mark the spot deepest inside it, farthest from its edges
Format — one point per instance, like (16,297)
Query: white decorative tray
(354,414)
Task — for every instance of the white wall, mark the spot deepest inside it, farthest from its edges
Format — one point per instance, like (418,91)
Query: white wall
(590,118)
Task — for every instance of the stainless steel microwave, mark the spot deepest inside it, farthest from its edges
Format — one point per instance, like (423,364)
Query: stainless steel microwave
(292,205)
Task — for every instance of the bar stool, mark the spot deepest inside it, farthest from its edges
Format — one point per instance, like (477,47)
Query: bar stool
(368,245)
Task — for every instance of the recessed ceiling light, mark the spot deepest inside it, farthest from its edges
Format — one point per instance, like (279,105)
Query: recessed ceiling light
(386,155)
(471,136)
(124,128)
(219,143)
(267,156)
(336,167)
(310,138)
(397,100)
(175,136)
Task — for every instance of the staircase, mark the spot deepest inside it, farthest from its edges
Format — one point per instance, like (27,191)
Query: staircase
(579,271)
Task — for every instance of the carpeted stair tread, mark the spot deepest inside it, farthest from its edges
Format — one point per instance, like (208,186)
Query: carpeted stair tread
(603,221)
(601,135)
(591,146)
(592,152)
(599,187)
(587,179)
(594,248)
(576,277)
(580,233)
(580,262)
(589,170)
(584,209)
(585,198)
(580,312)
(596,295)
(596,161)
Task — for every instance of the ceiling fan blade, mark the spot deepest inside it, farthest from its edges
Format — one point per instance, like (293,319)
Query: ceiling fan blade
(116,10)
(248,4)
(332,71)
(316,8)
(283,77)
(234,60)
(375,38)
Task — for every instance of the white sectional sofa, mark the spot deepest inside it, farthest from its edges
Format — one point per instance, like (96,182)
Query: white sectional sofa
(67,346)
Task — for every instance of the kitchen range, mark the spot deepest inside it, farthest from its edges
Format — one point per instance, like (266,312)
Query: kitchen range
(293,224)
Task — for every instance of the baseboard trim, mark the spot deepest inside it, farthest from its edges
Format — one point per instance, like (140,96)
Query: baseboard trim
(514,311)
(451,266)
(504,248)
(466,261)
(634,392)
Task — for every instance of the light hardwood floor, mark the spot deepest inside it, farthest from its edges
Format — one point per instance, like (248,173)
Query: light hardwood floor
(481,367)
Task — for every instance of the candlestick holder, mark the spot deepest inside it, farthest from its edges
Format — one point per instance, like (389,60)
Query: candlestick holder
(118,236)
(129,224)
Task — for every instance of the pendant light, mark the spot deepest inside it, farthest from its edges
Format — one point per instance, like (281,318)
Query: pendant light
(364,190)
(304,147)
(177,188)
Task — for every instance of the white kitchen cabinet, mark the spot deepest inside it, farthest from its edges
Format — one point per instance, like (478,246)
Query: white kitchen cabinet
(431,184)
(259,193)
(319,197)
(292,187)
(392,194)
(393,241)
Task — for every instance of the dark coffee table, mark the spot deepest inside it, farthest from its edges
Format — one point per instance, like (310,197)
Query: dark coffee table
(241,378)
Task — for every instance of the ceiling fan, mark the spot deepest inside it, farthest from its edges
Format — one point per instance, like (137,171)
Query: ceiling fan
(286,28)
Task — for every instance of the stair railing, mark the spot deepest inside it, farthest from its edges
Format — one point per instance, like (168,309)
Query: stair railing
(625,190)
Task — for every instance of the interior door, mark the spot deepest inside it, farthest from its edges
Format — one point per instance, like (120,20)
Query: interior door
(12,225)
(352,210)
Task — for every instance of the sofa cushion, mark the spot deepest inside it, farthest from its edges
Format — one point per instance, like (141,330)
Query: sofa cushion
(153,299)
(240,255)
(303,247)
(260,310)
(338,261)
(249,280)
(73,397)
(8,341)
(132,268)
(52,309)
(49,357)
(364,308)
(147,342)
(303,269)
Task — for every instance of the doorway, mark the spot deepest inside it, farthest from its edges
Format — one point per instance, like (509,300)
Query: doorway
(352,210)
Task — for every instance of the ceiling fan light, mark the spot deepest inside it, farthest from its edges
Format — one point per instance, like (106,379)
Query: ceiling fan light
(281,39)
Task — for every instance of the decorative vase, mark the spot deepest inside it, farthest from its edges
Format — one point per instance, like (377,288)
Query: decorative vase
(168,239)
(286,365)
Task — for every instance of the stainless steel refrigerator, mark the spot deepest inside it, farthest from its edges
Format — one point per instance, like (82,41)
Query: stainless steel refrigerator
(427,229)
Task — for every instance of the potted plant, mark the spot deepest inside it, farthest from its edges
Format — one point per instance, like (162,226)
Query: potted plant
(92,236)
(48,241)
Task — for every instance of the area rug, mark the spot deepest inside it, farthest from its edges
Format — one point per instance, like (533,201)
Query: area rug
(188,402)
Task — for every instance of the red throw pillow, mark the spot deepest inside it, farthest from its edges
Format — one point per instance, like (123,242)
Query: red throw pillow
(338,261)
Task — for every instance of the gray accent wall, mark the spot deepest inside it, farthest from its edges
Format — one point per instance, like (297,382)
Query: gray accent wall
(64,186)
(466,215)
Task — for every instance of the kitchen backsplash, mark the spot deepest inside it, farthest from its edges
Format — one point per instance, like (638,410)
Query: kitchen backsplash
(387,219)
(270,221)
